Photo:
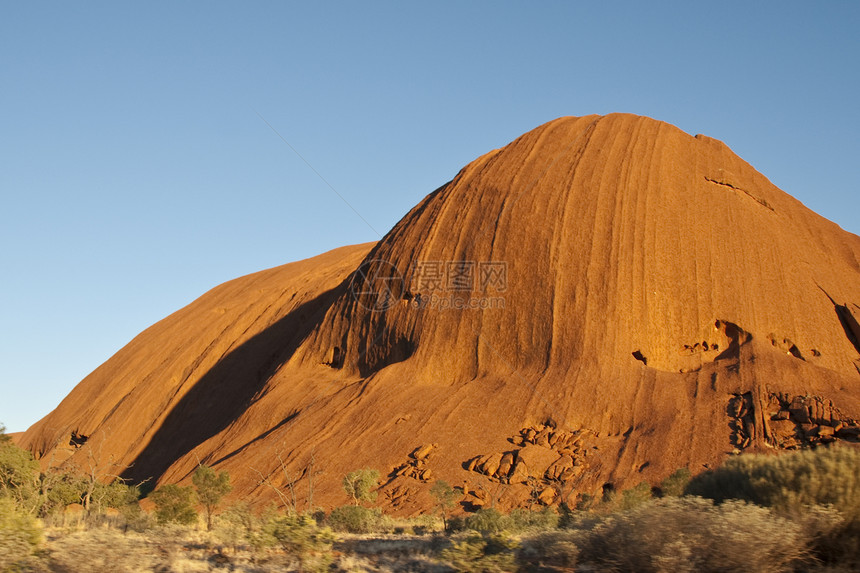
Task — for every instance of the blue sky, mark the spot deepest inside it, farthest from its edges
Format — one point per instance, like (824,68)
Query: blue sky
(136,172)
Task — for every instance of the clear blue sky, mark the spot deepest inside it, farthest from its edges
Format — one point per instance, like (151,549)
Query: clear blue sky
(135,172)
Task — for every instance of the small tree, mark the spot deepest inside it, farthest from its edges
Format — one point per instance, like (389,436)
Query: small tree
(211,487)
(445,497)
(359,485)
(174,503)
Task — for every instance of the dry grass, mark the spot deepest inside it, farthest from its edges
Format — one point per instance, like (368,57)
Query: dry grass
(182,549)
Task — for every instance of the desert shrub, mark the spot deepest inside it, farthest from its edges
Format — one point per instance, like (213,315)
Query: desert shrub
(20,535)
(19,475)
(556,549)
(525,519)
(488,520)
(788,482)
(482,553)
(235,525)
(619,500)
(174,504)
(115,495)
(691,534)
(359,485)
(792,483)
(301,537)
(456,523)
(422,524)
(355,519)
(55,491)
(675,484)
(585,502)
(635,496)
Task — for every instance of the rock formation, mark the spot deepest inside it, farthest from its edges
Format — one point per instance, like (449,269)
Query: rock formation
(602,301)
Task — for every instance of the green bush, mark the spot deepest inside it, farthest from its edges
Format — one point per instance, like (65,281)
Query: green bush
(541,520)
(482,554)
(355,519)
(19,475)
(635,496)
(488,520)
(301,537)
(359,485)
(116,495)
(174,504)
(20,535)
(57,490)
(675,484)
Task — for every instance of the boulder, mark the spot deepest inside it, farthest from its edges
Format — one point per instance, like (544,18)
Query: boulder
(782,428)
(520,473)
(537,458)
(422,452)
(506,464)
(555,470)
(798,411)
(473,463)
(490,466)
(547,496)
(571,473)
(848,432)
(542,438)
(782,415)
(516,495)
(824,431)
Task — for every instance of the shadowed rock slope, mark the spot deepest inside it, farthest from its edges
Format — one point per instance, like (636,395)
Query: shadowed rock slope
(602,301)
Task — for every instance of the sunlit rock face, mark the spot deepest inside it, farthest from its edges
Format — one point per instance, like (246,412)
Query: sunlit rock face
(602,301)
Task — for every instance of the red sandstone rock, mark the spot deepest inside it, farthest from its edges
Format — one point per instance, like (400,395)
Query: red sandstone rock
(649,277)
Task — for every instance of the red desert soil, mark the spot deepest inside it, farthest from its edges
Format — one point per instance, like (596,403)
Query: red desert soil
(664,305)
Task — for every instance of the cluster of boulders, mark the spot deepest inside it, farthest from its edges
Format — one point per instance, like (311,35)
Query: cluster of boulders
(545,455)
(797,421)
(416,466)
(546,435)
(790,422)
